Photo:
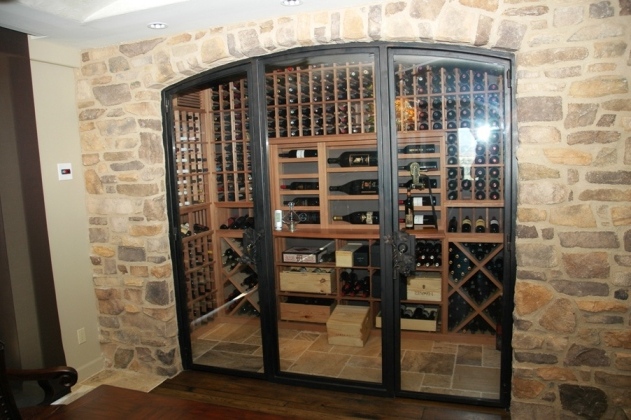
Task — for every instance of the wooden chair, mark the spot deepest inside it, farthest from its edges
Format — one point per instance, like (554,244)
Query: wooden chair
(55,382)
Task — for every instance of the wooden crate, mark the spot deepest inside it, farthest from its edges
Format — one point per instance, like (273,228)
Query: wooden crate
(318,314)
(425,286)
(344,255)
(308,281)
(349,325)
(413,324)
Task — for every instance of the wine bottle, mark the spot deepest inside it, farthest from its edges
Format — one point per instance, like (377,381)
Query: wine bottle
(432,182)
(197,228)
(360,218)
(423,165)
(347,159)
(466,225)
(299,185)
(358,187)
(466,184)
(300,153)
(424,220)
(184,229)
(309,217)
(249,222)
(409,211)
(304,201)
(238,223)
(418,148)
(453,225)
(480,226)
(494,225)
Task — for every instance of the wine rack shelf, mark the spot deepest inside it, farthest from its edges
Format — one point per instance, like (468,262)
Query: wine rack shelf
(336,279)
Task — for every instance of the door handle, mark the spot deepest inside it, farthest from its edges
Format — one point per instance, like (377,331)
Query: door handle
(404,247)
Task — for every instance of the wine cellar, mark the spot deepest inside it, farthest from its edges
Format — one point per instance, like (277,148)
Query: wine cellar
(354,220)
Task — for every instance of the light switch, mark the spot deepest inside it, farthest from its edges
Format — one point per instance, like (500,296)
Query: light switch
(64,170)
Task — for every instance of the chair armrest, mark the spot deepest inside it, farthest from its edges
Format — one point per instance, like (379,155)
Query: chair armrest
(56,382)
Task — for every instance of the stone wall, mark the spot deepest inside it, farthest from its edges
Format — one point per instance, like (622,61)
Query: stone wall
(572,341)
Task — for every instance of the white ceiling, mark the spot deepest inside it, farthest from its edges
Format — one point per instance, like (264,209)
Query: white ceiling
(95,23)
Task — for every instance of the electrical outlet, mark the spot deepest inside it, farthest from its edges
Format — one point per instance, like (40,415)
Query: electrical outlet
(81,335)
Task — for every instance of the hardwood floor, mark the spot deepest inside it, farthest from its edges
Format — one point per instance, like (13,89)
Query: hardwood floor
(307,403)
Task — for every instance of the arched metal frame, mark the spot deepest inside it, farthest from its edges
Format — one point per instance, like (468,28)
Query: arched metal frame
(254,68)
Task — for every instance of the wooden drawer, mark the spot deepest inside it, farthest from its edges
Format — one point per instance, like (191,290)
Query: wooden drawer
(308,281)
(318,314)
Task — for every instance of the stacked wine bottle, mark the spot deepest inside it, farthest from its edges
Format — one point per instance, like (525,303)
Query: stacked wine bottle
(459,264)
(320,100)
(418,312)
(439,98)
(354,284)
(190,158)
(428,253)
(230,260)
(233,167)
(482,181)
(238,222)
(200,307)
(229,130)
(198,251)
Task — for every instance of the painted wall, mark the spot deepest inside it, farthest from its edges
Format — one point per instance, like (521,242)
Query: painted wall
(54,85)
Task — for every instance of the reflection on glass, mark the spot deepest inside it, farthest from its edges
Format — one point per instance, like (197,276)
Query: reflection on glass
(450,305)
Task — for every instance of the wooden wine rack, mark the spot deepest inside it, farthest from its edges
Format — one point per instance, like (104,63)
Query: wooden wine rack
(331,108)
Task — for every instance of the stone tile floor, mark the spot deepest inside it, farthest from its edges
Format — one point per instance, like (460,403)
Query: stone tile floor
(120,378)
(426,366)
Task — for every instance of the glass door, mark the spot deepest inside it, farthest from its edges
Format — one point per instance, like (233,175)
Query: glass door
(217,276)
(451,140)
(324,198)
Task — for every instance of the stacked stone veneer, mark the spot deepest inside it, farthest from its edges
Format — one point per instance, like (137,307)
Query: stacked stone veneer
(572,337)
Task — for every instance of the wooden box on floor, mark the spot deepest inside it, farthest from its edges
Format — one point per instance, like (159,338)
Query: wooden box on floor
(425,286)
(307,281)
(318,314)
(348,326)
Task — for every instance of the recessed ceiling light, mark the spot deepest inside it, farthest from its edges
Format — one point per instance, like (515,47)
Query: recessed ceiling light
(291,2)
(157,25)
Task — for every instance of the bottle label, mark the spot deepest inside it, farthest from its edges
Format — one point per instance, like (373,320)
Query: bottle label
(360,159)
(300,153)
(422,201)
(278,220)
(369,218)
(421,219)
(369,187)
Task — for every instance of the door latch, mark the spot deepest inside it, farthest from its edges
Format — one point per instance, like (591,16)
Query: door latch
(404,246)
